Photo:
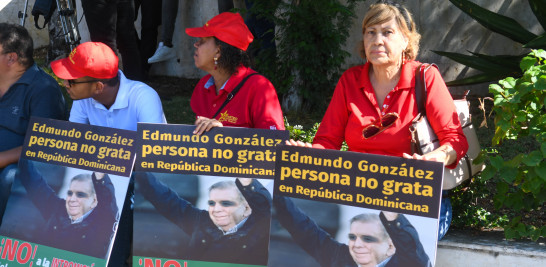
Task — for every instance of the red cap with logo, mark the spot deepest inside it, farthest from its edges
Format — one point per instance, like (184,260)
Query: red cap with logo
(227,27)
(92,59)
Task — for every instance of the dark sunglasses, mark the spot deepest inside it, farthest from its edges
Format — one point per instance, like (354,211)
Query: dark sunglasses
(72,82)
(364,238)
(223,203)
(380,125)
(78,194)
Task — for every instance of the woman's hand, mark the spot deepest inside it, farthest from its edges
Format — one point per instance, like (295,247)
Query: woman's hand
(204,124)
(291,142)
(445,154)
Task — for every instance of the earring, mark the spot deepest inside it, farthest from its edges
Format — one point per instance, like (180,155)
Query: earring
(215,63)
(403,58)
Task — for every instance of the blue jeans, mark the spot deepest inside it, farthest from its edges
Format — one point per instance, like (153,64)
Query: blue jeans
(446,213)
(6,179)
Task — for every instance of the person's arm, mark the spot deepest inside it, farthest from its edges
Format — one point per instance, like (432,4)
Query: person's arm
(257,196)
(78,113)
(168,203)
(265,109)
(10,156)
(47,101)
(405,238)
(197,102)
(203,124)
(443,118)
(38,191)
(445,154)
(308,235)
(106,195)
(149,106)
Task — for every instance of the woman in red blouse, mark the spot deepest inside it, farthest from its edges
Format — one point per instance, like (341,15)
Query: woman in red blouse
(221,51)
(383,89)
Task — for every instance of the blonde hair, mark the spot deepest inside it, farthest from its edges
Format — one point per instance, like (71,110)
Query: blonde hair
(381,13)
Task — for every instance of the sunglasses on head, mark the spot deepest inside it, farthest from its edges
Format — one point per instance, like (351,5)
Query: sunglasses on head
(364,238)
(380,125)
(223,203)
(78,194)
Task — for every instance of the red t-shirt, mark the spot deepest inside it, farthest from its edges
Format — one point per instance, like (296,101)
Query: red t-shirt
(256,105)
(354,106)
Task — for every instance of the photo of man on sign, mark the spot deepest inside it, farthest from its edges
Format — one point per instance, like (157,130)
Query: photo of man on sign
(231,227)
(363,237)
(81,217)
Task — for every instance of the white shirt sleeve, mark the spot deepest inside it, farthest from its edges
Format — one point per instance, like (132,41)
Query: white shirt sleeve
(78,113)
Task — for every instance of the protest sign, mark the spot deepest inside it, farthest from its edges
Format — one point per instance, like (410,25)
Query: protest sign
(189,208)
(381,208)
(65,203)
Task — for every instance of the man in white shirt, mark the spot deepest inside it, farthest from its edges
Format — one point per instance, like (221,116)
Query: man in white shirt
(103,96)
(101,93)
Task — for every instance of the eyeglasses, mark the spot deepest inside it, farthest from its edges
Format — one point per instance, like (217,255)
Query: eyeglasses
(72,82)
(377,127)
(78,194)
(223,203)
(364,238)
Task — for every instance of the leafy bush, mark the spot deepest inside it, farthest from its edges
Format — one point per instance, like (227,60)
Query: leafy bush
(497,67)
(470,207)
(297,132)
(309,57)
(519,107)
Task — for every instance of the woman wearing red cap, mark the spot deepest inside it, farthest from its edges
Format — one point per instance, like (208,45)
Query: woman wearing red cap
(221,51)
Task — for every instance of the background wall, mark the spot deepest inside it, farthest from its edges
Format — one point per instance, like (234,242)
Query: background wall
(442,26)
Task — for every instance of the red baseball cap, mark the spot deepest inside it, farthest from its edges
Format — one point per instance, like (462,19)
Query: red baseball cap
(92,59)
(228,27)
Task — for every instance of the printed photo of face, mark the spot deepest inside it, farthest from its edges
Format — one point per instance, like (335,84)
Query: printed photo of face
(80,199)
(227,207)
(368,243)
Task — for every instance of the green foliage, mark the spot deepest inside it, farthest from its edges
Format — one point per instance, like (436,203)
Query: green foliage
(499,66)
(468,212)
(309,57)
(519,105)
(297,133)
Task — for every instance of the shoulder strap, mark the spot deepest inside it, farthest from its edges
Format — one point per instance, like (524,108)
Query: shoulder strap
(232,94)
(421,87)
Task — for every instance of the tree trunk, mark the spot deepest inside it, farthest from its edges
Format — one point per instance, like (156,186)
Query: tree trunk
(292,100)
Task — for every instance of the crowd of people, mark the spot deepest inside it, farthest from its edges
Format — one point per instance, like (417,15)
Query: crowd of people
(104,95)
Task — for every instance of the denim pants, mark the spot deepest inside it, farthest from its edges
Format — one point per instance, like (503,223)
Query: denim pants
(446,214)
(6,179)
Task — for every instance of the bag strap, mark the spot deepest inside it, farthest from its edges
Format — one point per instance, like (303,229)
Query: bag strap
(421,87)
(232,94)
(420,99)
